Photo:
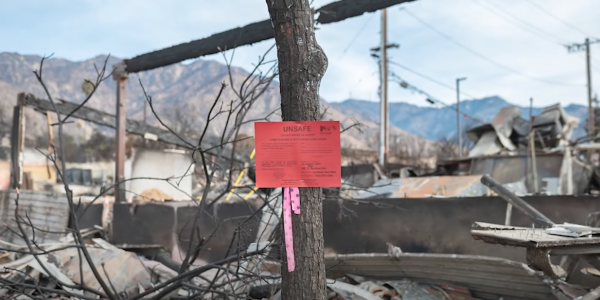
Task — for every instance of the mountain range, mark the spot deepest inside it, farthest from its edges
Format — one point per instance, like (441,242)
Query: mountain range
(435,123)
(182,95)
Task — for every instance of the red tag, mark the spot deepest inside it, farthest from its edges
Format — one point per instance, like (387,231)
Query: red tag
(298,154)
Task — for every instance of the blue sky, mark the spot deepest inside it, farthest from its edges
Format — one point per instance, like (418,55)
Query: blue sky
(513,50)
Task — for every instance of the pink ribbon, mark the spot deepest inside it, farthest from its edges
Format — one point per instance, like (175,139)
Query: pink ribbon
(291,201)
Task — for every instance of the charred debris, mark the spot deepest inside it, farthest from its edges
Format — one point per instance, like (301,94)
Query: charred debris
(535,156)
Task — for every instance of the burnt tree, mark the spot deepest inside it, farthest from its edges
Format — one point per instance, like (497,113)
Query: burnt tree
(302,64)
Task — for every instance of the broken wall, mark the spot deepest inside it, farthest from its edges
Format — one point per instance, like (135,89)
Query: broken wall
(47,211)
(161,165)
(432,225)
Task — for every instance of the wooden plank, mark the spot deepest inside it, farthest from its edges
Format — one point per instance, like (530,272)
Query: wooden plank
(248,35)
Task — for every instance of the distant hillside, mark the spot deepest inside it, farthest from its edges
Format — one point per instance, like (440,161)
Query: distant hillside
(433,123)
(187,89)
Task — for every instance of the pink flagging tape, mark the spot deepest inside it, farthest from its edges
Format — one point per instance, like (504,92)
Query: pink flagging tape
(287,228)
(295,195)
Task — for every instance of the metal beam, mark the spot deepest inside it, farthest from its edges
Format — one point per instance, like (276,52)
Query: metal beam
(248,35)
(101,118)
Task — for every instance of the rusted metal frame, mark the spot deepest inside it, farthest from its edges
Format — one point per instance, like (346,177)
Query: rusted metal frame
(517,202)
(248,35)
(17,142)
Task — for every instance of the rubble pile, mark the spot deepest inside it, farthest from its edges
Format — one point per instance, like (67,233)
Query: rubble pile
(358,288)
(56,272)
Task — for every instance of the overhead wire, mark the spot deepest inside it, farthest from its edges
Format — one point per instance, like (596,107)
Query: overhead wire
(478,2)
(506,68)
(356,36)
(430,79)
(523,24)
(557,18)
(403,83)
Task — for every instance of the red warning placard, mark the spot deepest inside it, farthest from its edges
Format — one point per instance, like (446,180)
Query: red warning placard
(297,154)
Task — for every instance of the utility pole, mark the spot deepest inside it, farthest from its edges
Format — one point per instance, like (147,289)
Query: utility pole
(589,91)
(579,47)
(458,127)
(383,112)
(383,104)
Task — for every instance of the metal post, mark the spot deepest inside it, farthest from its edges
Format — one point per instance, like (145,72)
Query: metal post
(458,126)
(120,76)
(591,127)
(533,162)
(383,131)
(17,142)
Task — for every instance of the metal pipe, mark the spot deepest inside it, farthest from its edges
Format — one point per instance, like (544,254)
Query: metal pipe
(517,202)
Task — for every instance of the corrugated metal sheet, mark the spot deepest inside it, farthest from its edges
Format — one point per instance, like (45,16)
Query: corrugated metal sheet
(422,187)
(486,277)
(49,213)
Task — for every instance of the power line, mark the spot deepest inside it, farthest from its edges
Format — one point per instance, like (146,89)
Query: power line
(355,37)
(527,25)
(430,79)
(484,57)
(557,18)
(432,99)
(517,24)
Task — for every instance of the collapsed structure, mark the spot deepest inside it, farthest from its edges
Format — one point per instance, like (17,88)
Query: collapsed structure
(533,156)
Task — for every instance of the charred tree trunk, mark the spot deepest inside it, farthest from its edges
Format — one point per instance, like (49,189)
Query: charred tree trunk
(302,64)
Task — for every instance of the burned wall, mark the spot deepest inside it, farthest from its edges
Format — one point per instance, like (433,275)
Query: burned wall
(230,226)
(437,225)
(434,225)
